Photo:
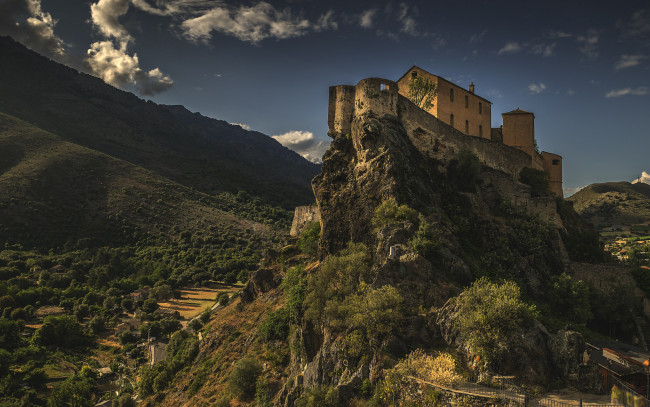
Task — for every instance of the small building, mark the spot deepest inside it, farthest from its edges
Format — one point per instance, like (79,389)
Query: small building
(129,325)
(621,363)
(157,351)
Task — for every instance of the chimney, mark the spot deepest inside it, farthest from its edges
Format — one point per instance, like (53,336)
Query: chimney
(471,87)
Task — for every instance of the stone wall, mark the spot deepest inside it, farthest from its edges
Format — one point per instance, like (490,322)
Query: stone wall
(440,141)
(302,216)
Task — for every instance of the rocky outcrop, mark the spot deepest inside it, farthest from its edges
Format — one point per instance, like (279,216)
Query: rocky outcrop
(259,282)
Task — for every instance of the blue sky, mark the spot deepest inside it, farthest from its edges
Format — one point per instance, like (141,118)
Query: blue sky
(583,67)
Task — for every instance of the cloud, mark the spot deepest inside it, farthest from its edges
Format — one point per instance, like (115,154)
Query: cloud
(242,125)
(640,91)
(645,178)
(119,69)
(366,19)
(27,23)
(589,44)
(628,61)
(326,22)
(570,92)
(113,63)
(407,20)
(545,50)
(250,24)
(304,143)
(557,34)
(512,47)
(536,88)
(638,25)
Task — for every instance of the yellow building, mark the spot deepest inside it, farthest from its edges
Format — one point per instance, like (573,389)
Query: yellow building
(460,108)
(471,114)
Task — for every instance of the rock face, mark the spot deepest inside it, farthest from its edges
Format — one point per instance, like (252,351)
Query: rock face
(260,282)
(302,216)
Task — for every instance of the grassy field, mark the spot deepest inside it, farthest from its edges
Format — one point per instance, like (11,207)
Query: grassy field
(193,300)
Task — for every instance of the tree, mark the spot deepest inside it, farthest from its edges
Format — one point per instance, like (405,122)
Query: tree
(242,380)
(422,92)
(75,391)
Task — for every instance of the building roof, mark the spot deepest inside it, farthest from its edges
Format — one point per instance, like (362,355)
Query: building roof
(443,79)
(518,111)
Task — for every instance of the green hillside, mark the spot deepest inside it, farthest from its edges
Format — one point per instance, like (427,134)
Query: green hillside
(615,208)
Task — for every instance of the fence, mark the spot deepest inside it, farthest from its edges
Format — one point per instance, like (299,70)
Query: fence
(626,395)
(505,390)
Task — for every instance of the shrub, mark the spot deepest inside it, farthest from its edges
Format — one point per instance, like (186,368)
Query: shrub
(489,314)
(426,241)
(389,212)
(440,369)
(465,170)
(308,241)
(62,331)
(242,380)
(537,179)
(223,299)
(320,396)
(294,285)
(276,326)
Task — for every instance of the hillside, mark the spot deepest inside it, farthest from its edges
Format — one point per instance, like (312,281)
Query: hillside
(615,208)
(53,192)
(209,155)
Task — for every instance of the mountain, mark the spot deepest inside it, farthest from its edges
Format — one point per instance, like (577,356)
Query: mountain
(54,192)
(615,208)
(209,155)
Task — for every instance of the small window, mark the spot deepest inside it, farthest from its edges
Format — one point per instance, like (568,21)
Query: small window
(466,101)
(467,126)
(480,130)
(480,108)
(451,95)
(451,120)
(383,86)
(414,74)
(556,162)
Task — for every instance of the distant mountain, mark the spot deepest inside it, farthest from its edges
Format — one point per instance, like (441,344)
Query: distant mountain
(615,208)
(209,155)
(54,192)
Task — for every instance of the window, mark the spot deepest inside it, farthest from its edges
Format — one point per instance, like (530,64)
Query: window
(466,101)
(383,86)
(451,120)
(467,126)
(480,130)
(480,108)
(556,162)
(414,74)
(451,95)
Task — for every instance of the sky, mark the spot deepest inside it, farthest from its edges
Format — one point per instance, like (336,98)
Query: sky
(583,67)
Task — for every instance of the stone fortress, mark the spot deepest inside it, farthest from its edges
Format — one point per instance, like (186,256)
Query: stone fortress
(459,119)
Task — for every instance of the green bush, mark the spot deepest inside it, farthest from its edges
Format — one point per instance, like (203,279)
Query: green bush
(465,170)
(276,326)
(537,179)
(320,396)
(294,285)
(426,241)
(223,299)
(63,331)
(243,379)
(489,314)
(308,241)
(389,212)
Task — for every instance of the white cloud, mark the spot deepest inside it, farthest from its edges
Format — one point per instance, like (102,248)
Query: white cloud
(105,15)
(304,143)
(113,63)
(251,24)
(628,61)
(589,44)
(326,22)
(118,68)
(640,91)
(242,125)
(366,19)
(536,88)
(406,17)
(645,178)
(35,31)
(510,48)
(545,50)
(570,92)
